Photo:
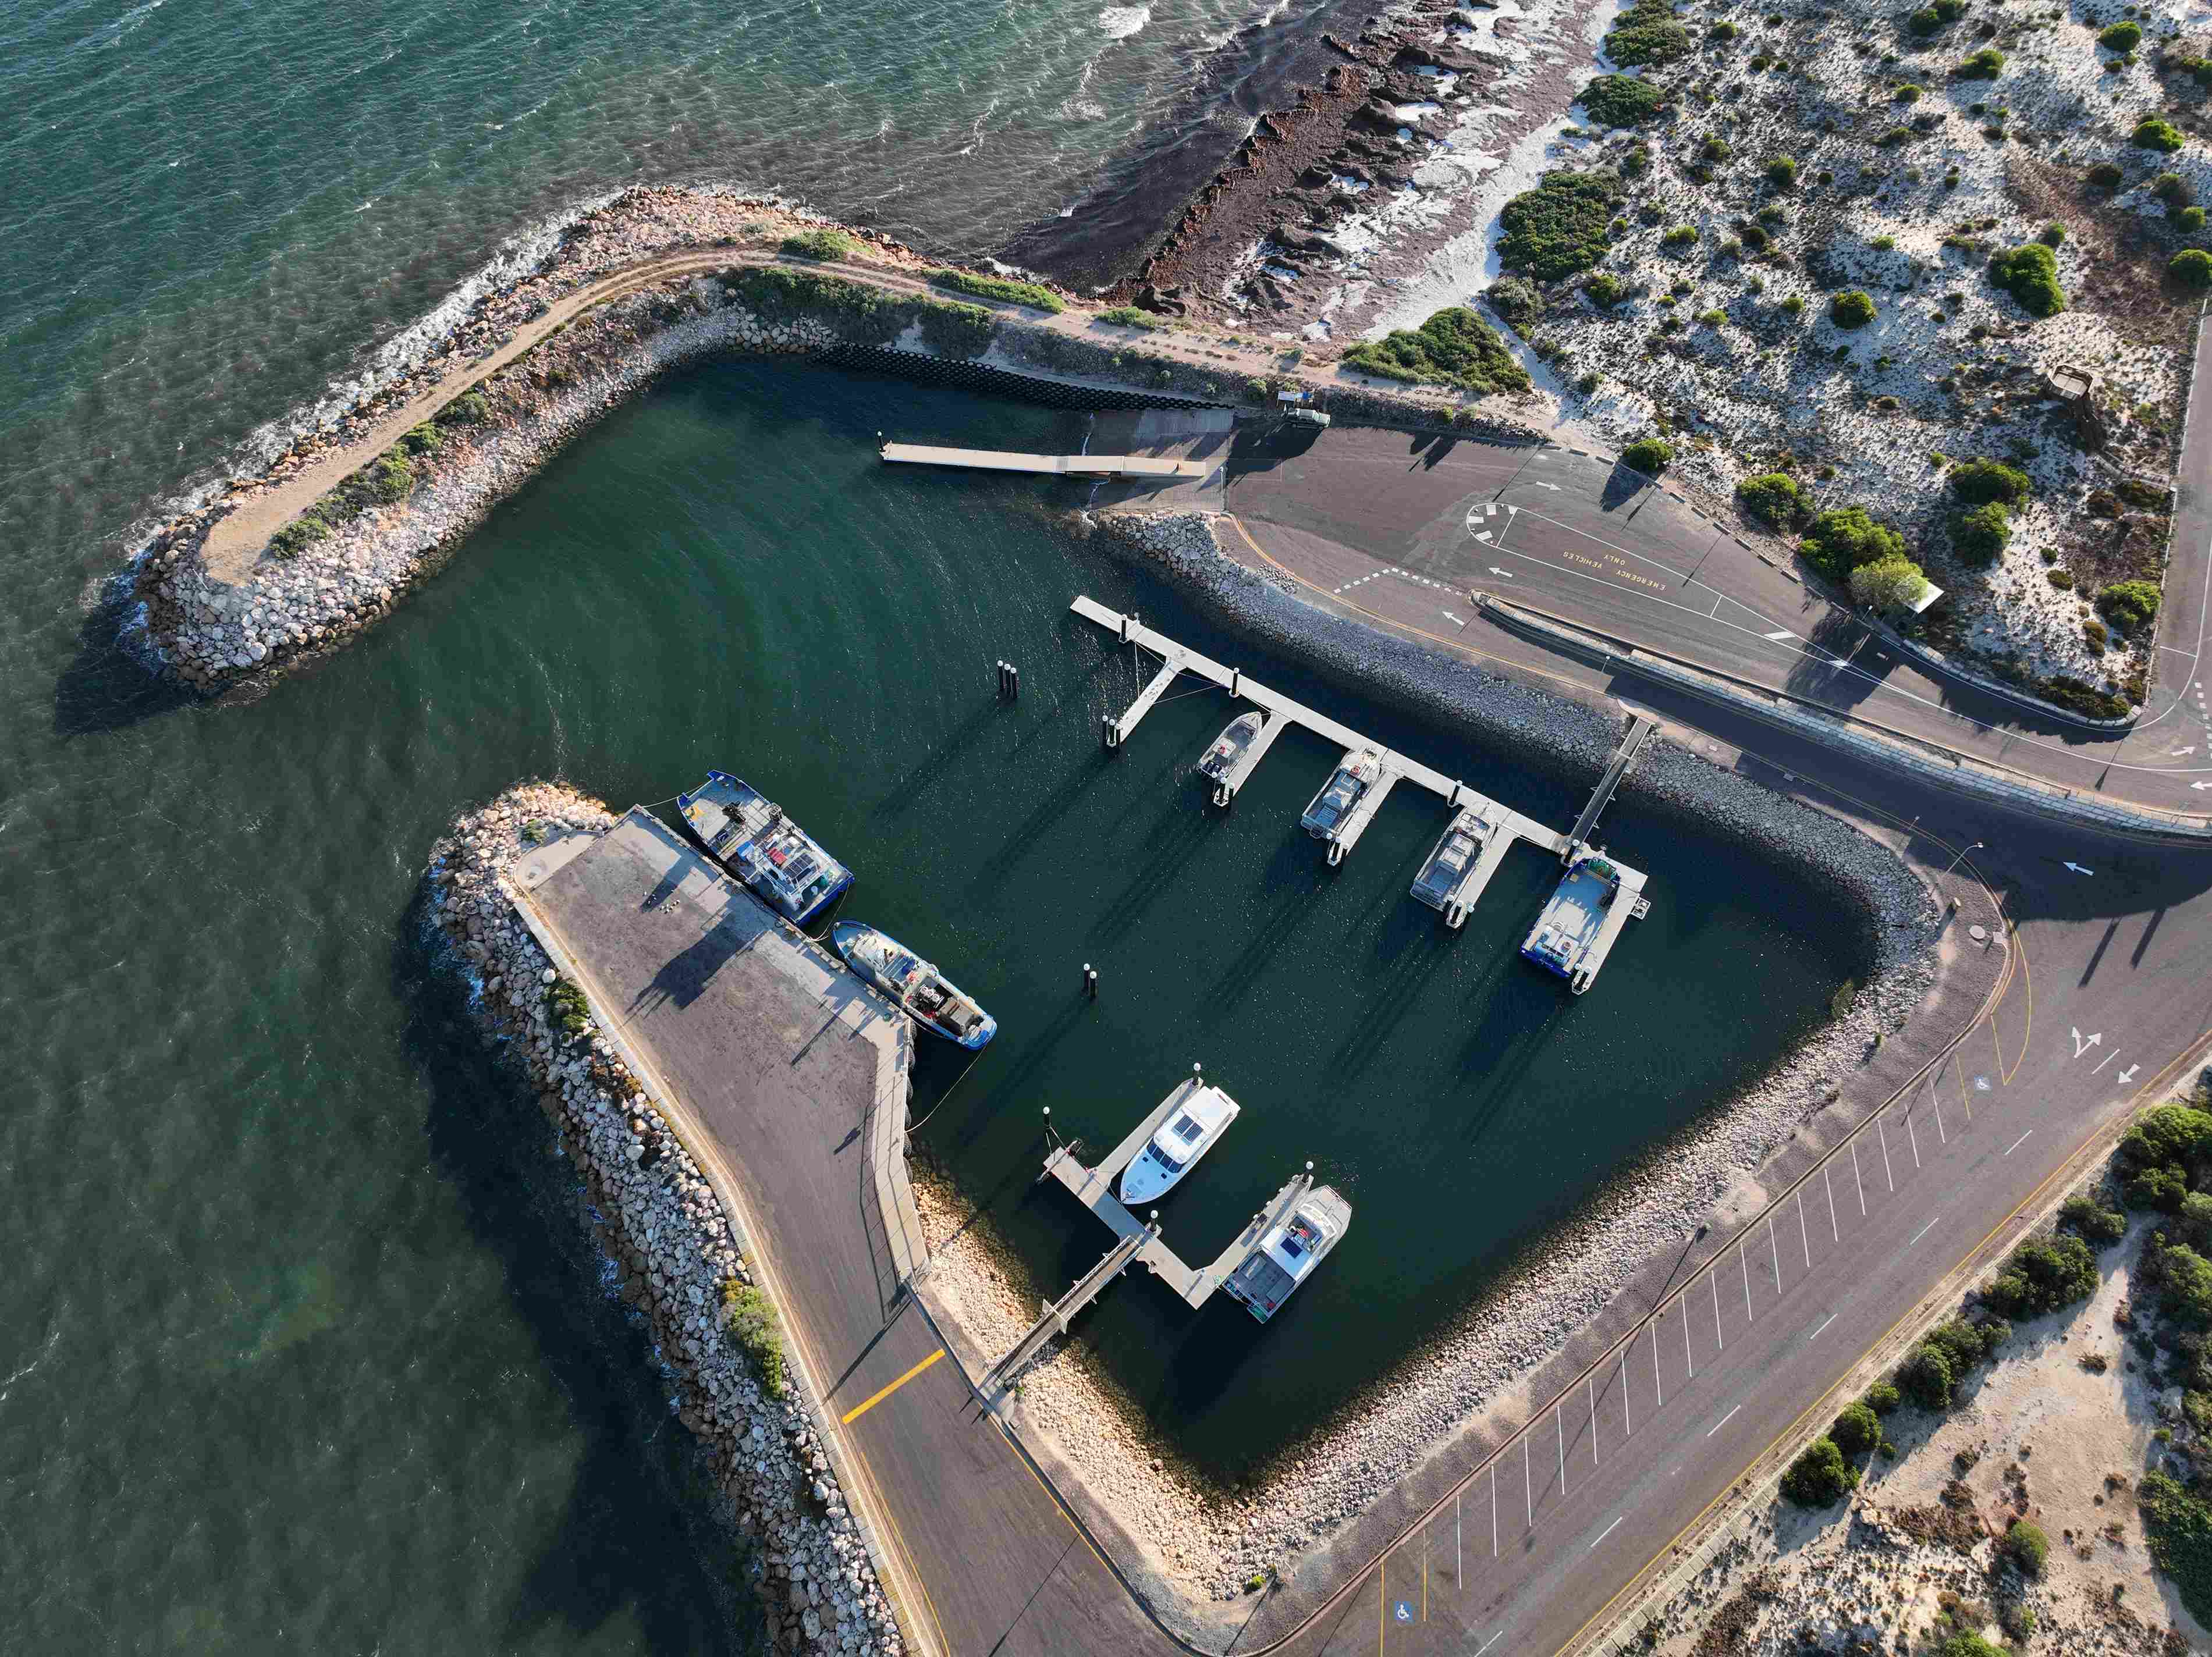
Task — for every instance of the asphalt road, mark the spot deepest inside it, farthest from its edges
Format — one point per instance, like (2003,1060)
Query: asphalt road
(1600,546)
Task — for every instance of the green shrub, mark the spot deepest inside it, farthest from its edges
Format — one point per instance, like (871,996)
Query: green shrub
(1843,538)
(1856,1432)
(1967,1644)
(2089,1218)
(1908,93)
(1883,1398)
(1932,17)
(566,1009)
(998,288)
(2161,1188)
(1981,534)
(2043,1275)
(2191,219)
(1925,1378)
(1977,481)
(1895,137)
(2157,133)
(2129,604)
(2120,37)
(296,537)
(2171,188)
(424,439)
(1647,34)
(1715,149)
(1852,309)
(385,481)
(1455,347)
(2173,1133)
(823,243)
(2027,1546)
(2186,1291)
(2178,1527)
(1984,65)
(2054,234)
(1820,1476)
(2105,175)
(1650,455)
(470,407)
(1516,299)
(1723,30)
(1793,307)
(1128,316)
(1621,100)
(1558,227)
(752,1324)
(1772,498)
(1605,288)
(1781,172)
(1888,584)
(2030,275)
(2192,265)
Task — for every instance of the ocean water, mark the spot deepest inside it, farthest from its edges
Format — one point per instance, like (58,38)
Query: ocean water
(302,1345)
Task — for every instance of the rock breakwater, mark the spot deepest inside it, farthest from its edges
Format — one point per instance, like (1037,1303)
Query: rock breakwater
(681,1260)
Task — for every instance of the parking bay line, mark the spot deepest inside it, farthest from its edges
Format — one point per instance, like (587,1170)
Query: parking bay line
(1923,1232)
(1723,1420)
(1603,1534)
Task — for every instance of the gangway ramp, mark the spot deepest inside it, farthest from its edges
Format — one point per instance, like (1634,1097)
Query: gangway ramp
(1052,465)
(1639,732)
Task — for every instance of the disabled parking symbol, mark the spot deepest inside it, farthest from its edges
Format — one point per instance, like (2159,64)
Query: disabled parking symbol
(1403,1610)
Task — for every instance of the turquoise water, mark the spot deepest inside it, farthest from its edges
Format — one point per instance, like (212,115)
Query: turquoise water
(302,1346)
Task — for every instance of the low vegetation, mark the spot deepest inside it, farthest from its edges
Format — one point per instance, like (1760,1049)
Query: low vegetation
(825,244)
(1128,316)
(751,1322)
(1558,227)
(2129,604)
(1647,34)
(566,1009)
(1030,294)
(2030,274)
(1621,100)
(866,315)
(1455,347)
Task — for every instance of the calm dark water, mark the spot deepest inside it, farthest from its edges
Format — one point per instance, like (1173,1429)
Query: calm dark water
(304,1346)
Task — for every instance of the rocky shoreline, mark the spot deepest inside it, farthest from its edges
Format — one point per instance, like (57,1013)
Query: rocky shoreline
(1213,1542)
(680,1258)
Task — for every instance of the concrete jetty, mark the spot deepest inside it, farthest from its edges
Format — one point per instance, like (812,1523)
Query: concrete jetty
(1059,466)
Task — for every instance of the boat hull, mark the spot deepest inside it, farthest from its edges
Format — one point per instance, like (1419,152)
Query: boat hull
(698,810)
(858,945)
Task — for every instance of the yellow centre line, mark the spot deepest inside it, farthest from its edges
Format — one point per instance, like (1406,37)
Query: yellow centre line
(873,1399)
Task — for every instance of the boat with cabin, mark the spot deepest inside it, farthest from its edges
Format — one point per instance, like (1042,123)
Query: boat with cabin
(1331,807)
(750,835)
(1445,879)
(1576,928)
(1190,1131)
(922,992)
(1286,1256)
(1230,746)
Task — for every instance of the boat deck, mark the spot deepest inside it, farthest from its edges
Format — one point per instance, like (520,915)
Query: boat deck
(1454,899)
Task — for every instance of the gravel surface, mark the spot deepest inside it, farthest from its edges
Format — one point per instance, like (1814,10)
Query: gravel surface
(1211,1543)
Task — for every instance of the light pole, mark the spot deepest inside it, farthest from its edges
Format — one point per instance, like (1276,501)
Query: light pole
(1951,902)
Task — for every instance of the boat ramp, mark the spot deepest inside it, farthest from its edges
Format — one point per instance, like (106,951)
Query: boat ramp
(1458,870)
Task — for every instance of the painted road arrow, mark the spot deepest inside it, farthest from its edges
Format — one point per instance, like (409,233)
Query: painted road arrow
(2083,1043)
(2079,870)
(2128,1074)
(2200,785)
(1507,573)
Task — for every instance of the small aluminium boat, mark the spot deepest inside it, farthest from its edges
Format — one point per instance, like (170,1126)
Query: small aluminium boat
(1216,764)
(749,834)
(1330,807)
(1286,1256)
(925,994)
(1201,1116)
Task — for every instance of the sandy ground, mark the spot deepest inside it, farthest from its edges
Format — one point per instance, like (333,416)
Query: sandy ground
(2042,1437)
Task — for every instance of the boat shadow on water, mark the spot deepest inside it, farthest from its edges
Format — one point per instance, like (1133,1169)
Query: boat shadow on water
(643,1538)
(1295,876)
(1415,944)
(1166,858)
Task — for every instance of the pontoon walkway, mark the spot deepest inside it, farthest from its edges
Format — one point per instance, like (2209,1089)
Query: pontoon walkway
(1064,465)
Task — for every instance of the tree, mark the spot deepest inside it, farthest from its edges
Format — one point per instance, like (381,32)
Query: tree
(1894,582)
(1979,480)
(2099,1225)
(2043,1275)
(2192,265)
(1925,1378)
(1820,1476)
(2030,275)
(1857,1430)
(2173,1133)
(1982,534)
(1852,309)
(1843,538)
(1649,455)
(2186,1294)
(1773,498)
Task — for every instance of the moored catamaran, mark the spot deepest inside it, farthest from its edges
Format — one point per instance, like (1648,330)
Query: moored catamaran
(750,835)
(922,992)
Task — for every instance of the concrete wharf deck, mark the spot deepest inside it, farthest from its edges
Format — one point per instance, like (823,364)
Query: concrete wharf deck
(1058,465)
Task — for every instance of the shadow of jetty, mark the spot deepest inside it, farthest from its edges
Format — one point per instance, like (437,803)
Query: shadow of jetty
(105,686)
(644,1540)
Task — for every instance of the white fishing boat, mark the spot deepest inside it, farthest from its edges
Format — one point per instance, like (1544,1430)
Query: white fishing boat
(1228,747)
(926,995)
(1445,879)
(749,834)
(1287,1255)
(1326,817)
(1201,1118)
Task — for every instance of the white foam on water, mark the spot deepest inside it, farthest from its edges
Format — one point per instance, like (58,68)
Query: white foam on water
(1120,23)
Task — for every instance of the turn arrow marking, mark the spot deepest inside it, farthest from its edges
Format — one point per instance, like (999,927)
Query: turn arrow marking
(1507,573)
(2083,1043)
(2128,1074)
(2079,870)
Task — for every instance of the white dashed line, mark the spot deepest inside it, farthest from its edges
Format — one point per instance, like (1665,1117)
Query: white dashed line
(2018,1143)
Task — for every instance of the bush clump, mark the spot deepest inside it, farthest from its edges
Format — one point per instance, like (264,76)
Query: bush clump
(2157,133)
(296,537)
(1773,498)
(1888,584)
(2120,37)
(1516,299)
(566,1009)
(2171,188)
(752,1324)
(1984,65)
(2193,266)
(1604,288)
(1128,316)
(2043,1275)
(1852,309)
(1649,455)
(2191,219)
(1931,18)
(824,244)
(1982,533)
(1883,1398)
(2178,1525)
(1820,1476)
(1857,1430)
(998,288)
(1981,481)
(1931,1375)
(2129,604)
(2105,175)
(1781,172)
(2092,1220)
(1455,347)
(2027,1547)
(1621,100)
(1968,1644)
(2030,275)
(1844,538)
(470,407)
(1647,34)
(2054,234)
(1558,227)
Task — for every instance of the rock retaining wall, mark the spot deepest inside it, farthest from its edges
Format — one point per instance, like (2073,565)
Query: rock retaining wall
(661,1224)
